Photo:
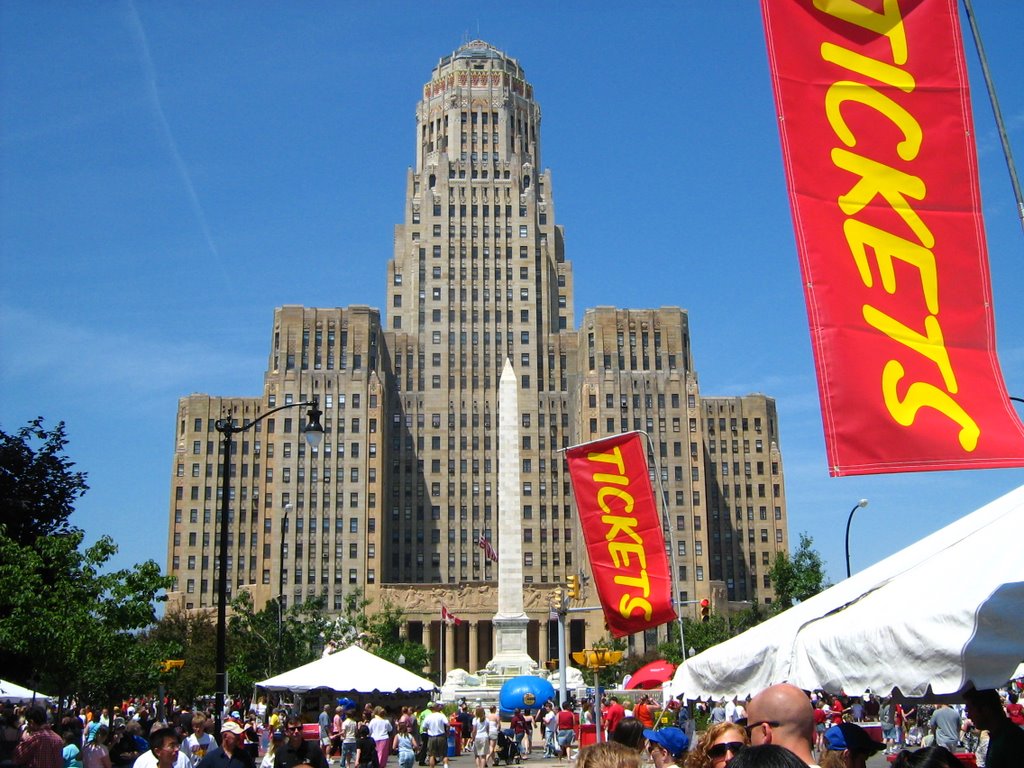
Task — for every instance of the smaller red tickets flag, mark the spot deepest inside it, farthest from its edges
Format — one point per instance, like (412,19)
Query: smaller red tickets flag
(622,530)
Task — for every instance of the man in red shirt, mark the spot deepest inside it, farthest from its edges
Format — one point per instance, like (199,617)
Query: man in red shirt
(613,715)
(837,711)
(39,747)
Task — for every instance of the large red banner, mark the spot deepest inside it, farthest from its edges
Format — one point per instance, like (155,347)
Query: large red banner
(622,529)
(877,142)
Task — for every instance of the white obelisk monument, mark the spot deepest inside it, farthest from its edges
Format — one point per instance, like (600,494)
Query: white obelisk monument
(510,621)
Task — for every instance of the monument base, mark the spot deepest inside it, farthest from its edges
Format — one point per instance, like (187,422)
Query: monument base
(484,687)
(510,657)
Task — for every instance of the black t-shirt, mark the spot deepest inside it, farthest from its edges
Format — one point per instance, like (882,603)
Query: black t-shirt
(1005,747)
(367,752)
(466,720)
(307,752)
(125,751)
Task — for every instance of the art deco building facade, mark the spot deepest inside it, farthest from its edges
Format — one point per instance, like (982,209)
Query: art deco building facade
(404,485)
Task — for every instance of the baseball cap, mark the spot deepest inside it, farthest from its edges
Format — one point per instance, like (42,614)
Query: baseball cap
(230,726)
(673,739)
(852,737)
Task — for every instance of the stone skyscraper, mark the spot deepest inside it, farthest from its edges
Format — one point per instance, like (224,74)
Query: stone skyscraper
(405,485)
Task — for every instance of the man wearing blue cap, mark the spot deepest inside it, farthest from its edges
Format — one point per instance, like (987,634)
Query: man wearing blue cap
(667,746)
(854,743)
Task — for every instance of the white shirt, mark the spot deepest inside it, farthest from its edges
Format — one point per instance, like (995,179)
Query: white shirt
(195,749)
(435,724)
(148,760)
(380,729)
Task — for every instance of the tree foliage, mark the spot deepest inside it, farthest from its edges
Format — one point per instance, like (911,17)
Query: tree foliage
(68,625)
(798,578)
(38,488)
(190,636)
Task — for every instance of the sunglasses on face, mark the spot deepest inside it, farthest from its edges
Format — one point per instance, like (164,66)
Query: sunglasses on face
(719,750)
(293,728)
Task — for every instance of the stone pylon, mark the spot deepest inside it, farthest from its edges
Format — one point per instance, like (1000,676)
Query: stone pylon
(510,622)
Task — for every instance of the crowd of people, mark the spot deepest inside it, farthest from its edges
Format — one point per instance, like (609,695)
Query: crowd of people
(781,726)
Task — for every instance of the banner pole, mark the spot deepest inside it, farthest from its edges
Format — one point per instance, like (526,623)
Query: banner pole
(667,523)
(993,99)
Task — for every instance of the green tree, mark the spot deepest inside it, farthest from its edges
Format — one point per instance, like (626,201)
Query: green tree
(38,488)
(748,618)
(67,624)
(73,624)
(798,578)
(378,631)
(255,651)
(190,636)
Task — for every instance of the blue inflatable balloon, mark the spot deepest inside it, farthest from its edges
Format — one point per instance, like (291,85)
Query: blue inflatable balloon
(525,692)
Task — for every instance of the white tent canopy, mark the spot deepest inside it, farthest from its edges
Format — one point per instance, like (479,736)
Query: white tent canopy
(351,671)
(14,693)
(938,617)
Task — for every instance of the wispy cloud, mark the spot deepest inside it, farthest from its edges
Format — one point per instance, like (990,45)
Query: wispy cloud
(153,95)
(81,362)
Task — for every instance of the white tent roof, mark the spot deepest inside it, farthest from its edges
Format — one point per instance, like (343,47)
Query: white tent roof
(935,618)
(15,693)
(352,670)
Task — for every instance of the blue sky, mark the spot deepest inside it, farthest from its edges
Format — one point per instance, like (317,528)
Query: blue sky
(171,172)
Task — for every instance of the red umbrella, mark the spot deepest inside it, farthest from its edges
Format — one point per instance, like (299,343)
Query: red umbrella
(652,675)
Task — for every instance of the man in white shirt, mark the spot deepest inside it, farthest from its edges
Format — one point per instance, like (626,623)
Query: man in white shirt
(435,726)
(199,742)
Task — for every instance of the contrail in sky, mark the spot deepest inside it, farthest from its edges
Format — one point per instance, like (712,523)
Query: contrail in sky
(149,72)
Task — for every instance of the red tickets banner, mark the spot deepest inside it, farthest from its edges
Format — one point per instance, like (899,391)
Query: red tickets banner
(877,143)
(622,529)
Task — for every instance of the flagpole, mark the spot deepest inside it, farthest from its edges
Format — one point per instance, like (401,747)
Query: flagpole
(1000,126)
(667,523)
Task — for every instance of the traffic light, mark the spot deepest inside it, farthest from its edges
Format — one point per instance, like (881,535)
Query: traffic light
(705,609)
(574,587)
(169,664)
(556,597)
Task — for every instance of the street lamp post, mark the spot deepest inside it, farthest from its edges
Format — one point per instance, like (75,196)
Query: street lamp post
(280,584)
(313,432)
(861,503)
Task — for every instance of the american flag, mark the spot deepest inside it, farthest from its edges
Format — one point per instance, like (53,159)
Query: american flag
(448,617)
(489,552)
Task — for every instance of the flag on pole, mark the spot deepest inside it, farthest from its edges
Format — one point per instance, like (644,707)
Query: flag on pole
(448,617)
(622,529)
(874,113)
(489,552)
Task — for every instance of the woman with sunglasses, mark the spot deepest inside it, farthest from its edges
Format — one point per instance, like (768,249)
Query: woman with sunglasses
(717,746)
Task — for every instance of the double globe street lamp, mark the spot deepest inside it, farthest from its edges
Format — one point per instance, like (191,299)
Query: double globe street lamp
(314,432)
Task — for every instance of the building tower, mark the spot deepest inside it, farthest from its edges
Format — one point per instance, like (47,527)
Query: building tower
(478,276)
(404,488)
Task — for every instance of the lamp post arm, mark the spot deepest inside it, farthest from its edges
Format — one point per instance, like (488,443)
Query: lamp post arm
(861,503)
(848,521)
(226,428)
